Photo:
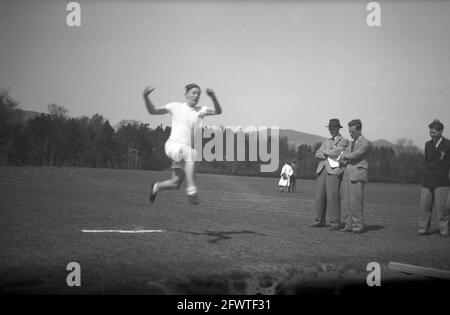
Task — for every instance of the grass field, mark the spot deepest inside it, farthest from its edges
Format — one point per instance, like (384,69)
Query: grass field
(243,229)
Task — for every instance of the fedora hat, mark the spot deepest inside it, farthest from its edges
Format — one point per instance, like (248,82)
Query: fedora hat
(334,123)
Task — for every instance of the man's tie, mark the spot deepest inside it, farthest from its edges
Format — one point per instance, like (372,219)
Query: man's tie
(353,144)
(332,142)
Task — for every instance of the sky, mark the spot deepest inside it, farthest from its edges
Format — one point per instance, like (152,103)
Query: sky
(292,64)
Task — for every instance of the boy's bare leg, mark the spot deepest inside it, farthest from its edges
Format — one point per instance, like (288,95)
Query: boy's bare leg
(191,189)
(189,170)
(173,183)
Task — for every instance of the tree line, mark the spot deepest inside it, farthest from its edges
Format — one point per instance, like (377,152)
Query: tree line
(56,139)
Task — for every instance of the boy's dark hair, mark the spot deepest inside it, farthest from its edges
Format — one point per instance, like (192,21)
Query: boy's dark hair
(357,123)
(191,86)
(436,124)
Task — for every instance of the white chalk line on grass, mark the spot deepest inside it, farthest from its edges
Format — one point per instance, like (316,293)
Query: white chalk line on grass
(122,231)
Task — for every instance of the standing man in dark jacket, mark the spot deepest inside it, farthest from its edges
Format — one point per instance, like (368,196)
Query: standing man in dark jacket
(436,184)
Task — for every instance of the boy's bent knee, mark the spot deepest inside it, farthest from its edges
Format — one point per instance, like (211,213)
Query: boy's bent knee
(176,183)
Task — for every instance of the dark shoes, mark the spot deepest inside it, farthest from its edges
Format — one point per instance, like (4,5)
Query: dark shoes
(193,199)
(152,193)
(425,233)
(317,225)
(337,228)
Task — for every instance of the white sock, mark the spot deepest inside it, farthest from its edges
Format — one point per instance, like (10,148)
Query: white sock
(191,190)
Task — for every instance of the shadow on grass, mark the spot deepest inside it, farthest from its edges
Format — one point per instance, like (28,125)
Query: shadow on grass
(374,227)
(221,235)
(436,231)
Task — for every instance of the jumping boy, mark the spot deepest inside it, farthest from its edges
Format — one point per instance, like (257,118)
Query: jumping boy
(186,118)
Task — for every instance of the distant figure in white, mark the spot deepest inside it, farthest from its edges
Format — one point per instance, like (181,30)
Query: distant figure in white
(179,147)
(286,173)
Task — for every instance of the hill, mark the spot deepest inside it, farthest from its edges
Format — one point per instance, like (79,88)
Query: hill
(383,143)
(297,138)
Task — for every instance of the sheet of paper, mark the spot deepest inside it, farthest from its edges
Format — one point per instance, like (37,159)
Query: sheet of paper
(334,163)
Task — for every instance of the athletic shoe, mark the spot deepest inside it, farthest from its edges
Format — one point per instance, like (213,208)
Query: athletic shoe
(357,231)
(345,229)
(335,228)
(193,199)
(422,233)
(445,235)
(152,194)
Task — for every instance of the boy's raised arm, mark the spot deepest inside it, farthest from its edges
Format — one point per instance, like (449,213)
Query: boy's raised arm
(150,106)
(217,109)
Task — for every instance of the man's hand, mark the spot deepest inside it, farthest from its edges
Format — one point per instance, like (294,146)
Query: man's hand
(148,90)
(210,93)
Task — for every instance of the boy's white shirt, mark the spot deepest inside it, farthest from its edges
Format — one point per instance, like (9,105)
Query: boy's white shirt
(186,120)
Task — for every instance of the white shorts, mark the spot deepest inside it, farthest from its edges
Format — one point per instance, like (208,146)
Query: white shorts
(179,152)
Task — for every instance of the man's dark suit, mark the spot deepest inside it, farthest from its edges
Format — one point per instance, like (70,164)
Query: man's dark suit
(436,186)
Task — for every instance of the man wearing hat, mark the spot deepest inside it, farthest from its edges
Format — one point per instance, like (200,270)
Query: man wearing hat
(328,181)
(436,184)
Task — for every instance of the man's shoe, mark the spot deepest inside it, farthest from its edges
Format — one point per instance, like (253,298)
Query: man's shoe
(193,199)
(345,229)
(422,233)
(152,193)
(445,235)
(357,231)
(317,225)
(335,228)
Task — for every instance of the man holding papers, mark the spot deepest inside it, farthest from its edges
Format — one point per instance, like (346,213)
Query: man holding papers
(355,177)
(328,181)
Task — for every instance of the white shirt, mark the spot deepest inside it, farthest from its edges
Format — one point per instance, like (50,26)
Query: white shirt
(287,169)
(186,121)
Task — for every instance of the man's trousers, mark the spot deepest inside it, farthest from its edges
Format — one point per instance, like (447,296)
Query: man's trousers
(328,198)
(441,198)
(353,204)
